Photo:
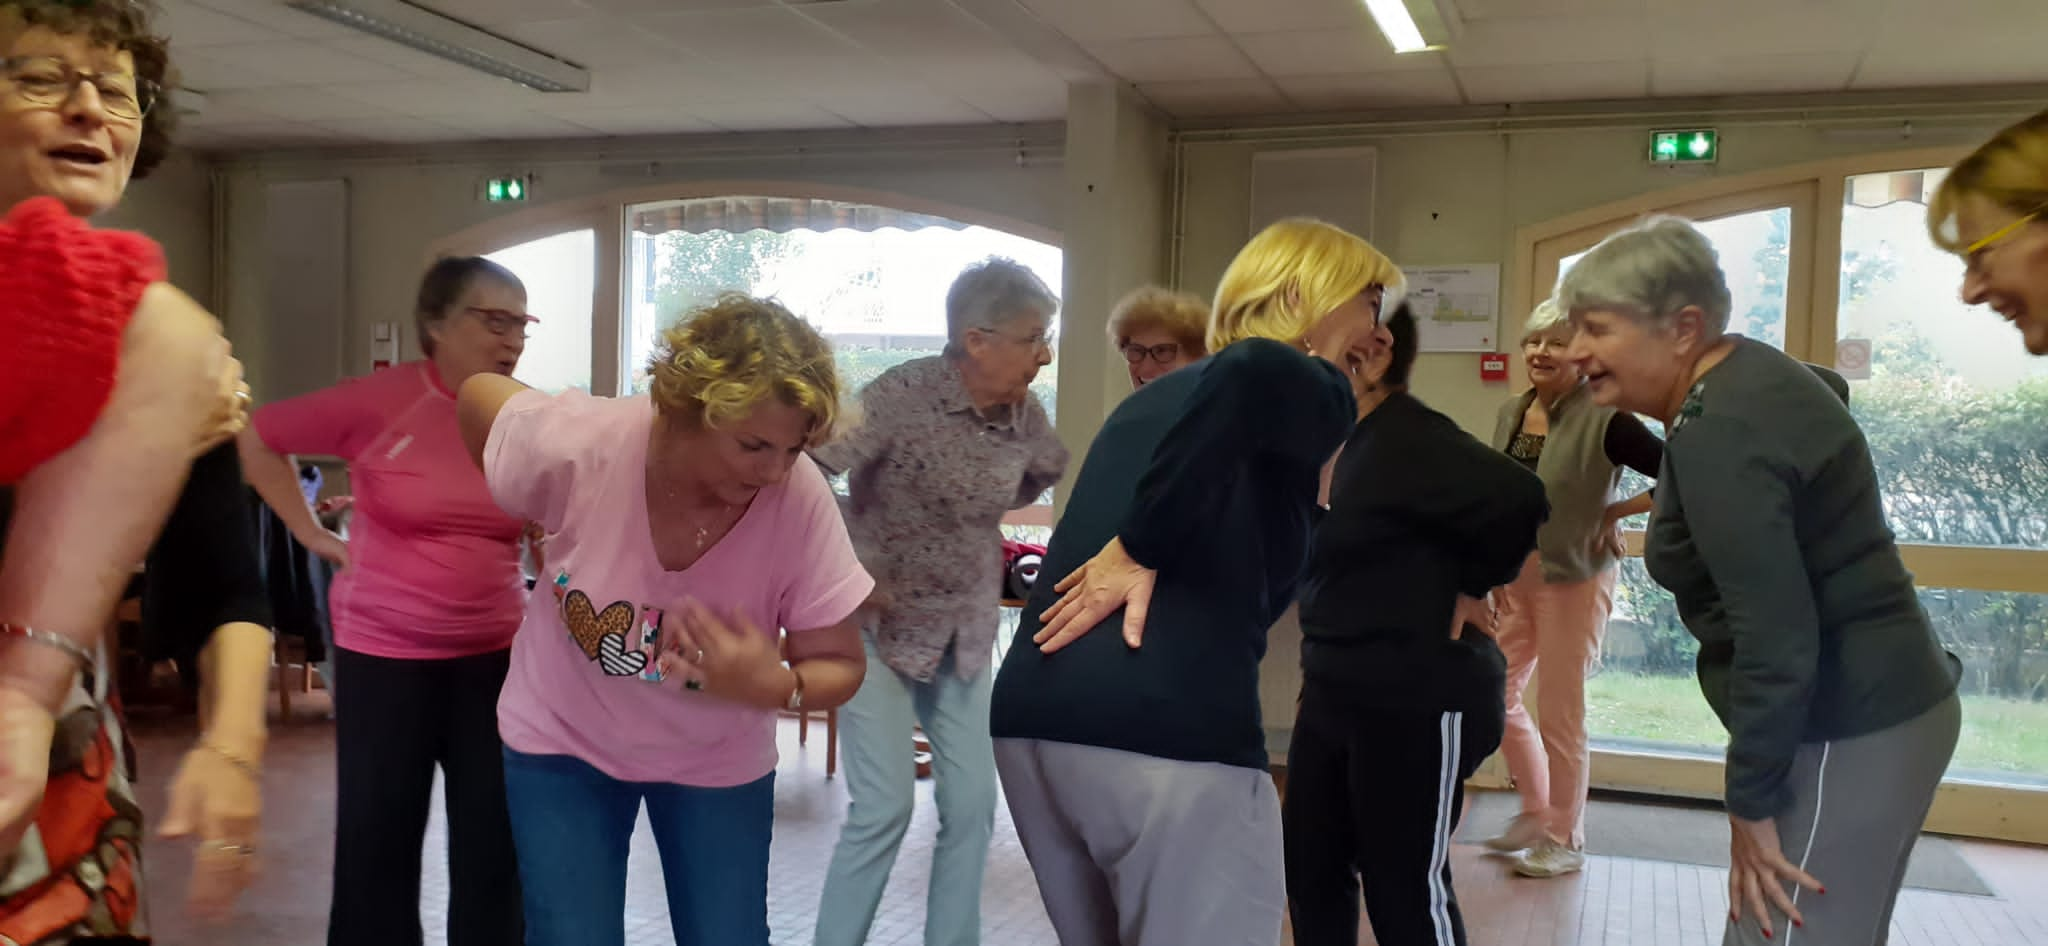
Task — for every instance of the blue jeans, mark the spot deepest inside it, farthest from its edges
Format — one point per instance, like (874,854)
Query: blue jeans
(881,778)
(573,826)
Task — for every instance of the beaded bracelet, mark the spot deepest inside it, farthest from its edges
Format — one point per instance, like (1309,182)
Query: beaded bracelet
(70,647)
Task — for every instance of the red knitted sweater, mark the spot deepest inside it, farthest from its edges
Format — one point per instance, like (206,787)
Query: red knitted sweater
(66,293)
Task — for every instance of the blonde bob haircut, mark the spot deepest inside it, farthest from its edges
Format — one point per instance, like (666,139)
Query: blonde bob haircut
(713,367)
(1292,274)
(2010,170)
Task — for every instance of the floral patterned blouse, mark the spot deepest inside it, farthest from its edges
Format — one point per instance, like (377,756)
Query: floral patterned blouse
(930,480)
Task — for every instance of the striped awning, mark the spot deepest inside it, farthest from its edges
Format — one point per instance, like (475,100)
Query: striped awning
(775,214)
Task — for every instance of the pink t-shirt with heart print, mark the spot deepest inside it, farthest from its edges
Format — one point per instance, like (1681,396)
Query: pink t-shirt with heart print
(576,464)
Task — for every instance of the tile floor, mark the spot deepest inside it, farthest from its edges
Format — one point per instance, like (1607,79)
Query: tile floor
(1616,901)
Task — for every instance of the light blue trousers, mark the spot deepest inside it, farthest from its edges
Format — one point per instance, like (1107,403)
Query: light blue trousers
(881,776)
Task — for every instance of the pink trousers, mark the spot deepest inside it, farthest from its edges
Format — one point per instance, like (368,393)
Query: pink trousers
(1552,632)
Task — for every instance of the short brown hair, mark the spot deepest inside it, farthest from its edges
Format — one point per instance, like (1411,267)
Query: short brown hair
(721,360)
(124,25)
(1182,315)
(443,286)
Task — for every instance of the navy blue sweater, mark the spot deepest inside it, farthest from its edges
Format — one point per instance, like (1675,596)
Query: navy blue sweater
(1209,474)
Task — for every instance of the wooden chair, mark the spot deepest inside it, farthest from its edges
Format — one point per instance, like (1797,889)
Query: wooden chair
(803,735)
(286,652)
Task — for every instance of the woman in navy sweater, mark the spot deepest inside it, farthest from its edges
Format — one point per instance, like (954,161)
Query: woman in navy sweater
(1137,778)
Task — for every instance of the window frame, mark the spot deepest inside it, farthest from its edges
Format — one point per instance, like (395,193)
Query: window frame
(1815,192)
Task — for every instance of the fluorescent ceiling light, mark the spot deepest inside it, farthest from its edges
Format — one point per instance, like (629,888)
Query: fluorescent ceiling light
(1411,26)
(409,24)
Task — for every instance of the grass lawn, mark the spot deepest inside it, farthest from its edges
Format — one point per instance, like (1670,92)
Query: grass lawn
(1999,735)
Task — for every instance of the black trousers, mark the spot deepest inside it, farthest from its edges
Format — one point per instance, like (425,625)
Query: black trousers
(395,720)
(1373,796)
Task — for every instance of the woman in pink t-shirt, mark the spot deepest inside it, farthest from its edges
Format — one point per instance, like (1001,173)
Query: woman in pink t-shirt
(686,532)
(424,609)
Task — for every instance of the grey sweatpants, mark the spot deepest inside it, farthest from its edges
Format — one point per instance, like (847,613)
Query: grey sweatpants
(1858,805)
(1135,850)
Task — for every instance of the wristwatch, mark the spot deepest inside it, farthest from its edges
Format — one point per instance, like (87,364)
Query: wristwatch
(796,693)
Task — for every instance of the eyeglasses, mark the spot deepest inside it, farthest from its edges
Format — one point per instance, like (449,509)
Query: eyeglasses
(1047,339)
(1975,251)
(1165,353)
(50,82)
(502,321)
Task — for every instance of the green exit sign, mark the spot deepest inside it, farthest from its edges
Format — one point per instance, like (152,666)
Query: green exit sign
(1685,146)
(505,189)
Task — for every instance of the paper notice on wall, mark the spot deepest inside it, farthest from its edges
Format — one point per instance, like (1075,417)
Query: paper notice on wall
(1457,308)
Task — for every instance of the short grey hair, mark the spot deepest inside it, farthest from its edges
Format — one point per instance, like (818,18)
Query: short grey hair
(1650,271)
(992,292)
(1547,316)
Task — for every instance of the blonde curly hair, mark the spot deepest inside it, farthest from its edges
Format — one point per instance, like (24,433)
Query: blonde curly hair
(721,360)
(2010,170)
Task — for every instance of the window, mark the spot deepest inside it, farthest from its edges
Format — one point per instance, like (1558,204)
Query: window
(1951,404)
(877,292)
(559,272)
(873,280)
(1755,251)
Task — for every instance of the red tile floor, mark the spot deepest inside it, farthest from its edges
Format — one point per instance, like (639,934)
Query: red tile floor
(1615,901)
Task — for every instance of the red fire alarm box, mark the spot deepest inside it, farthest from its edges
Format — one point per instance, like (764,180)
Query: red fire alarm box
(1493,366)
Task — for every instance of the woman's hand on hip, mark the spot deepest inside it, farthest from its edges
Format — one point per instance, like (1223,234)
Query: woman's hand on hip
(219,801)
(1109,581)
(1481,613)
(723,656)
(1758,874)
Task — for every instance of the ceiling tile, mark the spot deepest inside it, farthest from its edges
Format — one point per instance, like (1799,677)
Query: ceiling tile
(766,115)
(221,109)
(1406,88)
(217,69)
(1208,97)
(1473,11)
(394,129)
(512,125)
(489,13)
(1758,75)
(1547,41)
(1699,31)
(297,103)
(1095,21)
(430,97)
(1597,80)
(1177,58)
(1328,52)
(401,60)
(886,111)
(191,26)
(593,40)
(640,121)
(1016,103)
(275,16)
(641,7)
(1287,16)
(919,34)
(276,134)
(1989,42)
(300,62)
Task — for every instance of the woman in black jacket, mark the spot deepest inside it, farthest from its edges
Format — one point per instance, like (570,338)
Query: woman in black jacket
(1402,682)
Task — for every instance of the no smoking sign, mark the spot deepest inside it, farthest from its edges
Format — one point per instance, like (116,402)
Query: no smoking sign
(1852,358)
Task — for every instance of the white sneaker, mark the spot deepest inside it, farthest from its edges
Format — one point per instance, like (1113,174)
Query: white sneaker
(1523,833)
(1549,859)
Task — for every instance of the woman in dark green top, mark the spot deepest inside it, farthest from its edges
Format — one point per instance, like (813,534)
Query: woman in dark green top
(1769,531)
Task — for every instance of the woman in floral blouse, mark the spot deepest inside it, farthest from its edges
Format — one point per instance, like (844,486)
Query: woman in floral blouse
(948,445)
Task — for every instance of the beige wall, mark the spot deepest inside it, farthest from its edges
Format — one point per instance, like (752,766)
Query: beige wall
(175,208)
(401,207)
(1459,197)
